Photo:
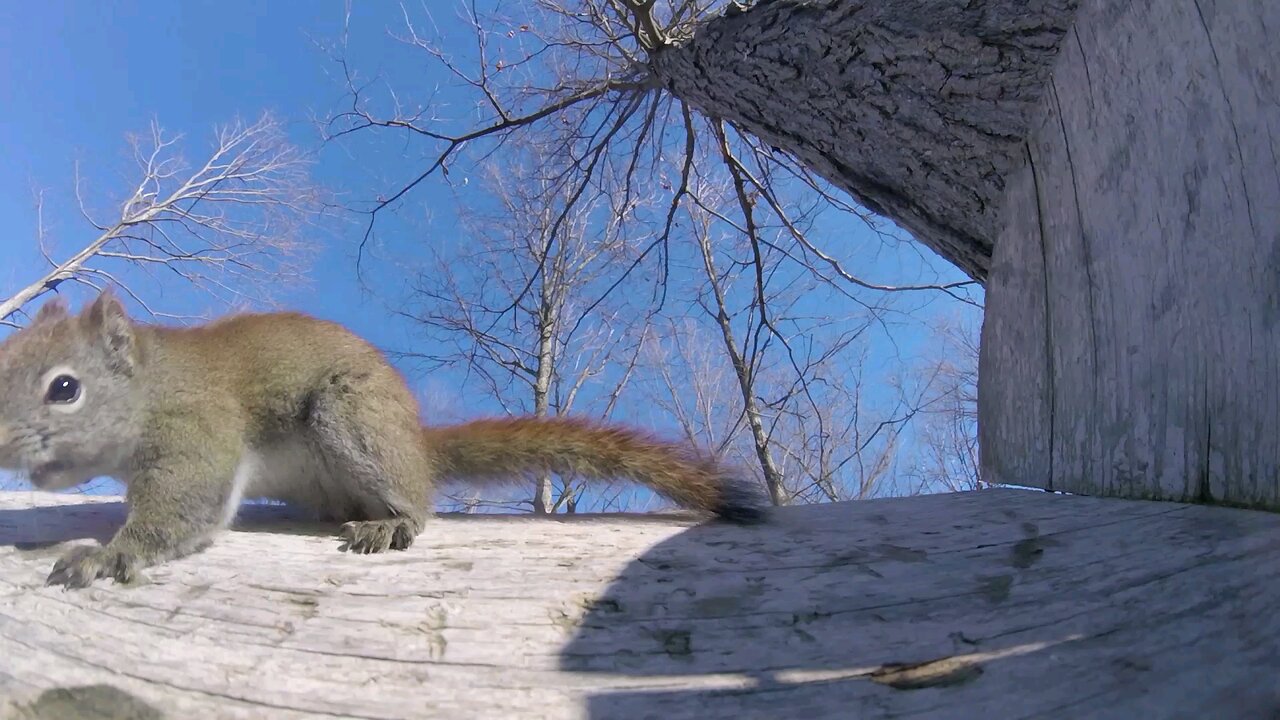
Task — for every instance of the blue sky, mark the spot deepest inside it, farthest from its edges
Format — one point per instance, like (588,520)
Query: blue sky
(75,77)
(78,76)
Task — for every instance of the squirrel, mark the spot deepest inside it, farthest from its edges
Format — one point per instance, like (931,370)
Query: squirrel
(285,406)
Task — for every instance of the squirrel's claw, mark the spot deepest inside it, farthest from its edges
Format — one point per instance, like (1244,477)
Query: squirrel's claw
(376,536)
(80,566)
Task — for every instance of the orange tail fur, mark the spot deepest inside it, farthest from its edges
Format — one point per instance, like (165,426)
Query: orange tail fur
(500,449)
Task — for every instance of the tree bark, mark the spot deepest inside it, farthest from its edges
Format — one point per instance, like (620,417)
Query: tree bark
(917,109)
(744,372)
(548,319)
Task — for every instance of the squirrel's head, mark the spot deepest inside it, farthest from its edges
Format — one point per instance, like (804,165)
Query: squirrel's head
(69,409)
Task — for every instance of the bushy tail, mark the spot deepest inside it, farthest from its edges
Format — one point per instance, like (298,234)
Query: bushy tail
(501,449)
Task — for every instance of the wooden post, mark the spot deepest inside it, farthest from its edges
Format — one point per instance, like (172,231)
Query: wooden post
(1131,345)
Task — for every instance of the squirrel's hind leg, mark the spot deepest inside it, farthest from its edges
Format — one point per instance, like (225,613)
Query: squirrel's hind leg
(366,426)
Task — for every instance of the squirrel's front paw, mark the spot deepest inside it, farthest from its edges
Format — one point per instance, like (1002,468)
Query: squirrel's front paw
(375,536)
(80,566)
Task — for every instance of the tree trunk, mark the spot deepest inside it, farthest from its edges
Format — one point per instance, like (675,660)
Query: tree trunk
(744,372)
(1129,345)
(917,109)
(547,318)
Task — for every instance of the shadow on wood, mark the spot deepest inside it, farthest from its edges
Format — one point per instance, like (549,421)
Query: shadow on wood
(35,528)
(38,527)
(996,604)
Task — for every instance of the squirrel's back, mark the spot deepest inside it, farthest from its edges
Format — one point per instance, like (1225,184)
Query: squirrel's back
(269,363)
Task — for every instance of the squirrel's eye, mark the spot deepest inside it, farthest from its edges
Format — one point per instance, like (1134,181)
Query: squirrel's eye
(63,390)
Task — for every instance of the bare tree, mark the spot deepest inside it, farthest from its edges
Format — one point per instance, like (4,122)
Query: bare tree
(583,80)
(831,432)
(520,303)
(946,448)
(688,381)
(582,77)
(838,441)
(792,402)
(745,359)
(222,225)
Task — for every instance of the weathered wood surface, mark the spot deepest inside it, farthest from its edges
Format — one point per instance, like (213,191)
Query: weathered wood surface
(918,109)
(1026,604)
(1131,336)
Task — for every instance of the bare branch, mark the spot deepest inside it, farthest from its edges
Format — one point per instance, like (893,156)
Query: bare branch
(947,452)
(241,208)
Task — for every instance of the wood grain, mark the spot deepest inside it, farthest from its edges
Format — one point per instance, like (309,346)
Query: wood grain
(1131,329)
(1010,604)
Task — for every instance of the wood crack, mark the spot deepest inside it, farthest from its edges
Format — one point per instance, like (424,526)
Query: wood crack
(1231,116)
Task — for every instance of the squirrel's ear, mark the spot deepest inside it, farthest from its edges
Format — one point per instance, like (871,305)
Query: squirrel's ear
(107,320)
(52,310)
